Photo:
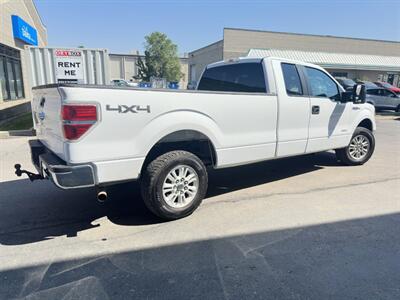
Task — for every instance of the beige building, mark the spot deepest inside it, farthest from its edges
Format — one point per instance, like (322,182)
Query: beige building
(124,66)
(20,25)
(364,59)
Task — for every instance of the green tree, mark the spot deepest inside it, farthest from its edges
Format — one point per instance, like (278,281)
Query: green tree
(160,59)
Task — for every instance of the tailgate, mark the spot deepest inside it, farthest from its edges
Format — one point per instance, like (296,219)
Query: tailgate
(46,110)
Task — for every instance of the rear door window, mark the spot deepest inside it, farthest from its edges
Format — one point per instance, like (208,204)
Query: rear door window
(380,92)
(240,77)
(374,92)
(292,79)
(388,93)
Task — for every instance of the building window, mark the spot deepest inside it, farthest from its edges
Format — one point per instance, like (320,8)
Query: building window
(12,85)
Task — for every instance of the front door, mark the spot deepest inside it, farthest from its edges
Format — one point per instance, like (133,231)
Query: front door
(374,97)
(329,120)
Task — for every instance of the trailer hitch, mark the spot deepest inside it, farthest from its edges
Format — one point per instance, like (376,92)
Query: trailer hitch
(31,176)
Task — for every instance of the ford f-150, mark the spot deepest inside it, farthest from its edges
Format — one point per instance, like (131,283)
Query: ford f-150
(243,111)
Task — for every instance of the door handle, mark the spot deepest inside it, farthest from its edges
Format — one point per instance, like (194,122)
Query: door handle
(315,109)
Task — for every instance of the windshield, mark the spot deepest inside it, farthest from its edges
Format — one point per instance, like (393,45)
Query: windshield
(386,85)
(370,85)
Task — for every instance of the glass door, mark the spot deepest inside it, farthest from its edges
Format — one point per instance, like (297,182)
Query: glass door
(3,80)
(18,79)
(390,78)
(11,80)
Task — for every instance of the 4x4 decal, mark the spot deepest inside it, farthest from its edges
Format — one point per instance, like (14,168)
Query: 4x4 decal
(123,109)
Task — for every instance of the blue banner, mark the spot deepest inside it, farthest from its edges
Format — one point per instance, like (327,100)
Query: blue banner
(24,31)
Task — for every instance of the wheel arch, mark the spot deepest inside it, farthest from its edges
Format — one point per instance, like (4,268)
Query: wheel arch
(193,141)
(366,123)
(365,118)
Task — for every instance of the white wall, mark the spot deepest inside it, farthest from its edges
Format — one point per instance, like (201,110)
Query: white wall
(27,11)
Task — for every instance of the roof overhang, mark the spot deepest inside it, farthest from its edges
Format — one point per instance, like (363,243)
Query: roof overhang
(328,60)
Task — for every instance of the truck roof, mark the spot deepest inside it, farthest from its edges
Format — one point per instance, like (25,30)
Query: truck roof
(259,59)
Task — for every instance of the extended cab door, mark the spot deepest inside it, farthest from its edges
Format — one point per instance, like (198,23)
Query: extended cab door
(294,109)
(330,119)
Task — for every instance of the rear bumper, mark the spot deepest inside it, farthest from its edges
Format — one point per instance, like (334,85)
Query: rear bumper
(64,176)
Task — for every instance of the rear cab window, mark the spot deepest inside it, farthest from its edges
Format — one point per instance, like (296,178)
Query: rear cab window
(239,77)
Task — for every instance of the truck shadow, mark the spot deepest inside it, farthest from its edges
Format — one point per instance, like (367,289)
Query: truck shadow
(33,212)
(237,178)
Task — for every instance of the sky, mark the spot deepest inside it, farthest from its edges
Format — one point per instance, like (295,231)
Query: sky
(121,25)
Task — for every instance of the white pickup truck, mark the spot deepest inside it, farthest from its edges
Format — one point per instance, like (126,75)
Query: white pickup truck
(244,110)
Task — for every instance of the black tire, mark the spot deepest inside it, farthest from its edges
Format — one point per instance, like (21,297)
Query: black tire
(344,156)
(157,171)
(398,109)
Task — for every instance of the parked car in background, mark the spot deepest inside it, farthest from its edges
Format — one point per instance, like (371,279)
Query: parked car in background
(388,86)
(346,83)
(383,98)
(368,84)
(174,85)
(122,82)
(145,84)
(192,85)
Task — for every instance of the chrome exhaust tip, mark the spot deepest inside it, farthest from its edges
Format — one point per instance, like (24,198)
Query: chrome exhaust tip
(102,196)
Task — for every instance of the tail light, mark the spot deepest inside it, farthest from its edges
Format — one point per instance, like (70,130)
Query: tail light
(78,119)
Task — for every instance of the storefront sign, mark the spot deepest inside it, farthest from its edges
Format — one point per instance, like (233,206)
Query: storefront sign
(69,65)
(24,31)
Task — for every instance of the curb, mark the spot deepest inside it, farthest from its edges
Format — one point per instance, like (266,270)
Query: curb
(16,133)
(386,117)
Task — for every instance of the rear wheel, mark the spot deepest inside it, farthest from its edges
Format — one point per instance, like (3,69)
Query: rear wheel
(398,109)
(174,184)
(360,149)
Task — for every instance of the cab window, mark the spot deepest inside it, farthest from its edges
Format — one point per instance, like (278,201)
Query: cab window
(240,77)
(321,85)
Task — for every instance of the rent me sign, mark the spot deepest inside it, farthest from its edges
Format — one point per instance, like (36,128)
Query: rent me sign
(69,66)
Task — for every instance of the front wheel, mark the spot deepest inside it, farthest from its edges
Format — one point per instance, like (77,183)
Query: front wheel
(360,149)
(174,184)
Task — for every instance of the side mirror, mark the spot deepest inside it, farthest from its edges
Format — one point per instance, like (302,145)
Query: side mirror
(346,96)
(359,93)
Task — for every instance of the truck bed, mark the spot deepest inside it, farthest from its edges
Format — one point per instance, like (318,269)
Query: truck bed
(240,126)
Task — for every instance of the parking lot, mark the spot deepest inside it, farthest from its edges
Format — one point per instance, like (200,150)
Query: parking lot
(296,228)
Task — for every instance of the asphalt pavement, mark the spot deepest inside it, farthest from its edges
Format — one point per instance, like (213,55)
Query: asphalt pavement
(294,228)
